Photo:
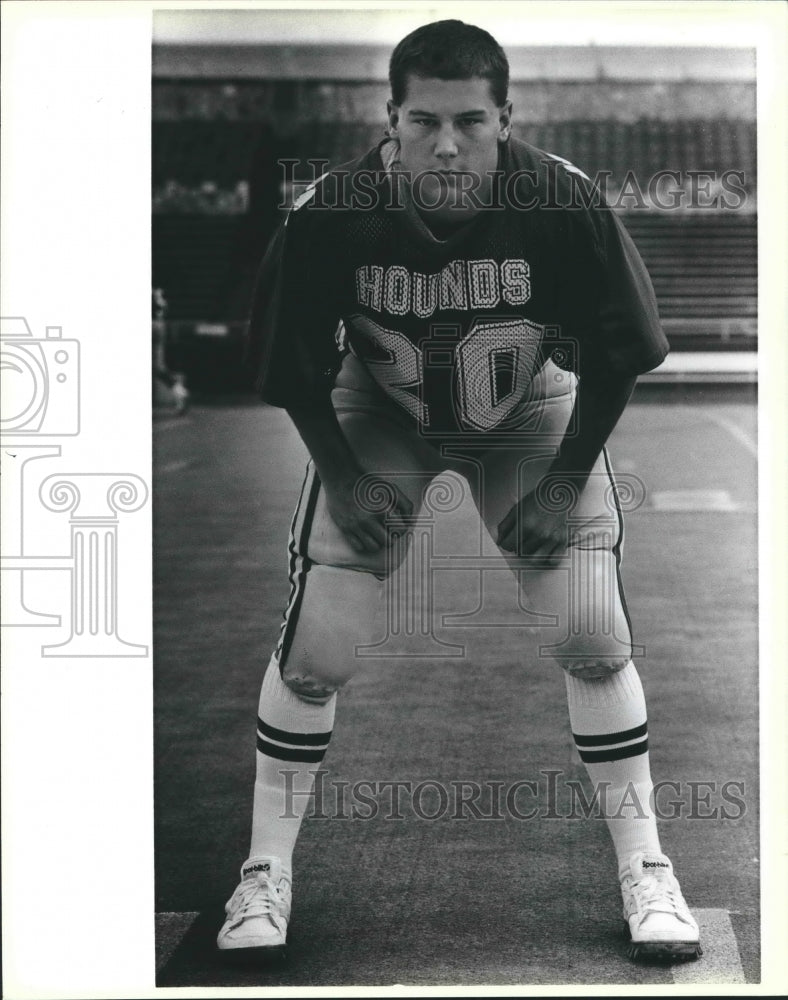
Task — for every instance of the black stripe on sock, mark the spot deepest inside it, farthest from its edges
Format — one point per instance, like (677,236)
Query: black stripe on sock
(615,753)
(296,739)
(607,738)
(286,753)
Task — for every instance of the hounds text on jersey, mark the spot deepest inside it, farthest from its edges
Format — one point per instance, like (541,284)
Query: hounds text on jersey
(462,284)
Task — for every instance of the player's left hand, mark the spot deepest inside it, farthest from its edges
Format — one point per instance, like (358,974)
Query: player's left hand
(530,530)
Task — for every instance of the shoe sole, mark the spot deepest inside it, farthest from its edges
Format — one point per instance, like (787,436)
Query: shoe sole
(663,951)
(268,954)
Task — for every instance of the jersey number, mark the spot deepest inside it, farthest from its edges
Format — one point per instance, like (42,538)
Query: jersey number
(495,363)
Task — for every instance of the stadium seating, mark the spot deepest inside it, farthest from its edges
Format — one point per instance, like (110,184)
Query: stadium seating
(704,269)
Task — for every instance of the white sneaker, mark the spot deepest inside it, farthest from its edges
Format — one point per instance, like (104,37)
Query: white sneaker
(258,911)
(660,923)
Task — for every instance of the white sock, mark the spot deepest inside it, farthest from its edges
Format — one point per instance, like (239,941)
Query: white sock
(292,737)
(608,717)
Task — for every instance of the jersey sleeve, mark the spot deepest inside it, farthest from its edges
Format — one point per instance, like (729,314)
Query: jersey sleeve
(610,296)
(628,328)
(291,348)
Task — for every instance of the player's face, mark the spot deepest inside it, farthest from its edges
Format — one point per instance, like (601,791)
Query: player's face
(449,132)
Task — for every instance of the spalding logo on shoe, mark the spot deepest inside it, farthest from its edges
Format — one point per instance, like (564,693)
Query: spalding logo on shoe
(257,868)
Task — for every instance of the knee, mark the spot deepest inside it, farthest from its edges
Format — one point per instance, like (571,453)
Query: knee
(310,690)
(592,667)
(313,689)
(591,654)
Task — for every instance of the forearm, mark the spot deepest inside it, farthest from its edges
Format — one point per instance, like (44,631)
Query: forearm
(599,403)
(320,431)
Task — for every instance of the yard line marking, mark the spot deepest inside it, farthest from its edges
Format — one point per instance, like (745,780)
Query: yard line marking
(167,422)
(720,962)
(744,439)
(176,466)
(171,928)
(693,500)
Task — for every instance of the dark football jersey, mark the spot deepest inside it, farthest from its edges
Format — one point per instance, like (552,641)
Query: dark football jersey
(452,329)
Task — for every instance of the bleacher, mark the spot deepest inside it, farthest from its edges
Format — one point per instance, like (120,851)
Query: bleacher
(191,261)
(648,146)
(704,268)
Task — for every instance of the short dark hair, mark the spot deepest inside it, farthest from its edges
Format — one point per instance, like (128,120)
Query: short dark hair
(449,50)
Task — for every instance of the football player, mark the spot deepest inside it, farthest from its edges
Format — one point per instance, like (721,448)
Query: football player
(454,300)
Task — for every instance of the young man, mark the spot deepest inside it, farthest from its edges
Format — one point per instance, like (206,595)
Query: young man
(453,301)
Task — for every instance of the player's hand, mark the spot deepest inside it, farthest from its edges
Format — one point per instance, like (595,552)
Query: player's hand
(365,508)
(531,530)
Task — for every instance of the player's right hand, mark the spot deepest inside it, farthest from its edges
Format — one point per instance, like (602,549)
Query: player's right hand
(365,509)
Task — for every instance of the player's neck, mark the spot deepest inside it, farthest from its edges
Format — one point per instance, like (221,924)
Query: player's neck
(444,228)
(439,226)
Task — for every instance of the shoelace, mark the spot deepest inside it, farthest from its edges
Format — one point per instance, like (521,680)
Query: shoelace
(656,896)
(254,899)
